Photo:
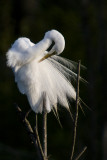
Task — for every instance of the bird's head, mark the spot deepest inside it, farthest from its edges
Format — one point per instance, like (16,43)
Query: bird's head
(59,43)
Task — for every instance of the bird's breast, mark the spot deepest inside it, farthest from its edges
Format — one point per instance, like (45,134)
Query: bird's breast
(26,75)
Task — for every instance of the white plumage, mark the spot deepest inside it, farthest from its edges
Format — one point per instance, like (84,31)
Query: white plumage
(37,71)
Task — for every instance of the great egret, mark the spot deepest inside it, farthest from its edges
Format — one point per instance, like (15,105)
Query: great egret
(37,71)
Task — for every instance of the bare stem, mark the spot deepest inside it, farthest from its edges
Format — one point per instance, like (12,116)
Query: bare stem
(32,133)
(44,127)
(38,139)
(28,128)
(76,116)
(81,153)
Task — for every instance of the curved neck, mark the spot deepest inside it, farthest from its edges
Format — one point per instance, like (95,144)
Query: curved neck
(37,51)
(42,46)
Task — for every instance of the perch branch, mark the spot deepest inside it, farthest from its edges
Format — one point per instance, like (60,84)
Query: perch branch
(81,153)
(38,139)
(76,116)
(26,124)
(33,136)
(44,127)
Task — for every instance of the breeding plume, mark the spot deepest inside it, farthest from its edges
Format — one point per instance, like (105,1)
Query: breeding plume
(38,69)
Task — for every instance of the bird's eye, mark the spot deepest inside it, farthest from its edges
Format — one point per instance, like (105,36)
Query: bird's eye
(50,47)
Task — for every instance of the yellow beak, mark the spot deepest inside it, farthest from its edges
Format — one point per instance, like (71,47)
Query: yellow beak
(46,56)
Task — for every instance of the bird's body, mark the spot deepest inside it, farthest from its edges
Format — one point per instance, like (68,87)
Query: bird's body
(34,74)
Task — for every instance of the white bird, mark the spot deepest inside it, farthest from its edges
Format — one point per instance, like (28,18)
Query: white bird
(39,71)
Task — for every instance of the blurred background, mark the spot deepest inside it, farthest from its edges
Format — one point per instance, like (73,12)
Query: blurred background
(84,26)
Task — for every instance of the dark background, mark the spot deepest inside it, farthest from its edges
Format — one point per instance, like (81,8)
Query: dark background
(84,26)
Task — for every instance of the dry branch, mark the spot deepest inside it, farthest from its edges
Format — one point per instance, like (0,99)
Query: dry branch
(81,153)
(76,116)
(34,137)
(38,139)
(44,127)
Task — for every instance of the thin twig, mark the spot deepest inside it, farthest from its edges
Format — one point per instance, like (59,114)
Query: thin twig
(76,116)
(38,140)
(81,153)
(44,127)
(26,125)
(26,115)
(29,130)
